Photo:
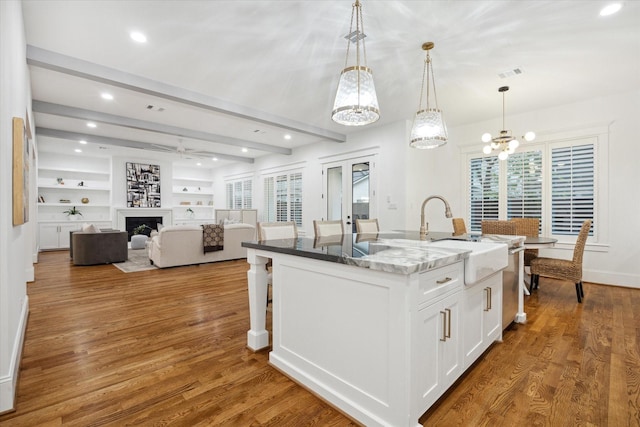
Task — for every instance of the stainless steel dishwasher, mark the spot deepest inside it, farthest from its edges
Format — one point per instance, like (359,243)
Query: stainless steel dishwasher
(510,286)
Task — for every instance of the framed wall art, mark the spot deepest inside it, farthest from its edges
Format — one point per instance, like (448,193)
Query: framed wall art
(20,172)
(143,185)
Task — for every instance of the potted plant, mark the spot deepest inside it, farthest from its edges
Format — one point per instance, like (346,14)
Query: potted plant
(141,229)
(190,213)
(73,213)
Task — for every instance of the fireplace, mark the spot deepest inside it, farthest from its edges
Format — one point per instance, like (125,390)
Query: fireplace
(148,216)
(151,222)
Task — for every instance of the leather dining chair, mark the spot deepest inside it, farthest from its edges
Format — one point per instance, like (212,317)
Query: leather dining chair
(563,269)
(327,228)
(459,227)
(367,225)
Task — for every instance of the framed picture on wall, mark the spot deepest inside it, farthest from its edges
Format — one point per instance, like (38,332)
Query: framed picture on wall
(20,172)
(143,185)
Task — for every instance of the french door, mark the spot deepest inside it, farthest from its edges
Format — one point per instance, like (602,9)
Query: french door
(349,191)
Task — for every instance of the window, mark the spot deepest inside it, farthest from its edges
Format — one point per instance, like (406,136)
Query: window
(239,194)
(283,197)
(572,188)
(516,187)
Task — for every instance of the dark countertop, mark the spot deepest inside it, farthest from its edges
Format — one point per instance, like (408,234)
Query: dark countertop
(399,252)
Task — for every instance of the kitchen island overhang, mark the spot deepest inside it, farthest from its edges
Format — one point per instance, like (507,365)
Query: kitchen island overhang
(379,337)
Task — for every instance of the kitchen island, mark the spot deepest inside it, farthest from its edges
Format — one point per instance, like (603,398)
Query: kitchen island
(380,325)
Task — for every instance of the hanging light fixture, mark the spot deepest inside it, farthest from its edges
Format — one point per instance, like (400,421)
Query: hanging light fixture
(356,102)
(429,129)
(505,143)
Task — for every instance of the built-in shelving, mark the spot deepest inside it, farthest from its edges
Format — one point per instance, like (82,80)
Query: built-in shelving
(192,196)
(63,185)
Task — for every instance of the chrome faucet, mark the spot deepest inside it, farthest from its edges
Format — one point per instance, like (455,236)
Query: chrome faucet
(424,226)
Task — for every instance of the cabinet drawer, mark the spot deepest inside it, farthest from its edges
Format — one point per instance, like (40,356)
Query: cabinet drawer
(434,283)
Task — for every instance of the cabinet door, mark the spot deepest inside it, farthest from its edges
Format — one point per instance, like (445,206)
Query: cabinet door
(473,319)
(64,237)
(492,292)
(49,236)
(451,355)
(439,359)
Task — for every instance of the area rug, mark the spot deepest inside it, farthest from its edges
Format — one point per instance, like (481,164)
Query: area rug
(138,261)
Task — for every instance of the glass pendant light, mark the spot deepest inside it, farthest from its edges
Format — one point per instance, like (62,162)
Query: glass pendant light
(356,102)
(429,129)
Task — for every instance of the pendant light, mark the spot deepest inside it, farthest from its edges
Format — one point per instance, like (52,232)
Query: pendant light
(356,102)
(429,129)
(505,143)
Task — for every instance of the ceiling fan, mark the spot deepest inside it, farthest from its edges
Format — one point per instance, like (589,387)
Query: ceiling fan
(180,150)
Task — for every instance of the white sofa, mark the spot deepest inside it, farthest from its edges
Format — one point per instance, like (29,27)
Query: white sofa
(182,245)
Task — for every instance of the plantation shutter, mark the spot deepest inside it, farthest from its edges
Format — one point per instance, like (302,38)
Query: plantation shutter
(247,198)
(295,193)
(229,194)
(281,198)
(269,202)
(524,185)
(484,190)
(572,188)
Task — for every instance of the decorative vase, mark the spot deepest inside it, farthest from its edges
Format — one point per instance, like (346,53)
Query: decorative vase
(72,217)
(85,200)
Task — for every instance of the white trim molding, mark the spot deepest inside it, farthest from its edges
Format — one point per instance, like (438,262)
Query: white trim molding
(9,382)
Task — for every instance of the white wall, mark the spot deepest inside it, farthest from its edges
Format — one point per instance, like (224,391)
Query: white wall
(16,244)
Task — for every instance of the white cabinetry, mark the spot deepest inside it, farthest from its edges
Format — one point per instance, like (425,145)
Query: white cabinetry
(192,194)
(56,235)
(71,181)
(438,353)
(482,316)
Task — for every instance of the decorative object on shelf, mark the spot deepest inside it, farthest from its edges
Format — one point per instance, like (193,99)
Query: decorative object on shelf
(40,199)
(143,185)
(60,181)
(81,184)
(85,200)
(72,213)
(429,129)
(199,203)
(65,201)
(210,202)
(505,143)
(356,102)
(190,213)
(185,203)
(185,189)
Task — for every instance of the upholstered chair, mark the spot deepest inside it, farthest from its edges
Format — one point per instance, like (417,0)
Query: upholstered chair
(327,228)
(367,225)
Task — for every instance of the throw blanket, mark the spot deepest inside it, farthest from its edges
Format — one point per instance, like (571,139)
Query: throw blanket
(212,237)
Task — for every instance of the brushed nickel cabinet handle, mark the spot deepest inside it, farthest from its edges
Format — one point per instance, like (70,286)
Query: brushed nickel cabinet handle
(448,323)
(444,326)
(487,299)
(445,280)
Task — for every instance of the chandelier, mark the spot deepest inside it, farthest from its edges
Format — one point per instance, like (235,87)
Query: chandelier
(428,130)
(356,102)
(505,143)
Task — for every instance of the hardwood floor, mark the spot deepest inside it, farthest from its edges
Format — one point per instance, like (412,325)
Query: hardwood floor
(168,347)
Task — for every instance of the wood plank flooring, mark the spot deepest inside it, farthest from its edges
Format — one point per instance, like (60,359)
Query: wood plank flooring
(168,347)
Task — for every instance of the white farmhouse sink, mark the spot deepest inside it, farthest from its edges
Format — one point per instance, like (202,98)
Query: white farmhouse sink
(484,259)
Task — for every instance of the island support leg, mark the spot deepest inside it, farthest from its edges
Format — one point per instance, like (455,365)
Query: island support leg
(521,316)
(257,336)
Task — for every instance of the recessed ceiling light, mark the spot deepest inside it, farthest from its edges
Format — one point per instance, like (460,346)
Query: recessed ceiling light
(610,9)
(91,125)
(244,150)
(77,150)
(82,141)
(138,37)
(215,159)
(106,96)
(287,136)
(198,164)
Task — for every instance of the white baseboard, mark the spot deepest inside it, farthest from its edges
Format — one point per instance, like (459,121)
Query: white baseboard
(9,383)
(611,278)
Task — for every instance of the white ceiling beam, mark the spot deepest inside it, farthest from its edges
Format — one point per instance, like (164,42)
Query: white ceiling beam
(77,67)
(127,143)
(83,114)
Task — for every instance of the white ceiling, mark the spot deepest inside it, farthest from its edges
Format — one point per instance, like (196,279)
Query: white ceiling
(282,60)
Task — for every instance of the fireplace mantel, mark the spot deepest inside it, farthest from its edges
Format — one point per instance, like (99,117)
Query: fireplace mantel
(122,213)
